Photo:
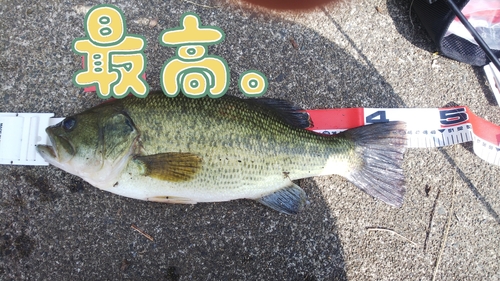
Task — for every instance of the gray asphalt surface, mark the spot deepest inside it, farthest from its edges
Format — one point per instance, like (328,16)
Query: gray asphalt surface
(54,226)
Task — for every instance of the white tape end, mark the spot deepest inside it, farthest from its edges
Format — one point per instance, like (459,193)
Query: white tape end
(20,133)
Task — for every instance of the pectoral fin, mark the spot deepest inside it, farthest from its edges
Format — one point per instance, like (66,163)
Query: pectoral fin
(171,166)
(289,200)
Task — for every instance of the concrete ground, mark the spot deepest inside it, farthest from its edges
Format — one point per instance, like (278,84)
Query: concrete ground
(360,53)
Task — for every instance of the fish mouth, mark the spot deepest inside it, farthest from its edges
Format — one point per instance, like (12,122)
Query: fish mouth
(50,153)
(47,152)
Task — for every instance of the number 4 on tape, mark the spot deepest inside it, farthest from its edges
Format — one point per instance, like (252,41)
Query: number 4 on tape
(378,116)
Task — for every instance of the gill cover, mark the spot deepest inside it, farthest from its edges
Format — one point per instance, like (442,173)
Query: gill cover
(118,134)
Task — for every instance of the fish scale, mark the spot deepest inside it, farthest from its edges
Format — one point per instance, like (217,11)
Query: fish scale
(248,136)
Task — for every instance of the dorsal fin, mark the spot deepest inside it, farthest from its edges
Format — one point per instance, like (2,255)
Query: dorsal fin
(284,110)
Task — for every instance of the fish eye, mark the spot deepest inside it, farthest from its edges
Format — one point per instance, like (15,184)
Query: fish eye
(68,124)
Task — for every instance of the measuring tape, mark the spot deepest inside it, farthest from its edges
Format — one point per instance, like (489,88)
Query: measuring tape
(426,127)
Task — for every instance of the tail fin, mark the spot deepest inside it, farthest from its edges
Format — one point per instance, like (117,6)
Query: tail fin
(381,146)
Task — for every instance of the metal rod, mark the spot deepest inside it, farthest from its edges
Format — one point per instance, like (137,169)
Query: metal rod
(474,33)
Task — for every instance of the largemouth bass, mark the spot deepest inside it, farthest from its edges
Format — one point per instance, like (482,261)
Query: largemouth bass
(183,150)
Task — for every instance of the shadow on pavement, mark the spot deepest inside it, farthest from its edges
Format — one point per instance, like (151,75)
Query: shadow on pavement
(53,225)
(408,24)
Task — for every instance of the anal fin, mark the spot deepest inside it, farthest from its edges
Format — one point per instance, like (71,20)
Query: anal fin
(289,200)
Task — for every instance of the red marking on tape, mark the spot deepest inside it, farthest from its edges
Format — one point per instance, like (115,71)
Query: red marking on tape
(484,129)
(337,118)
